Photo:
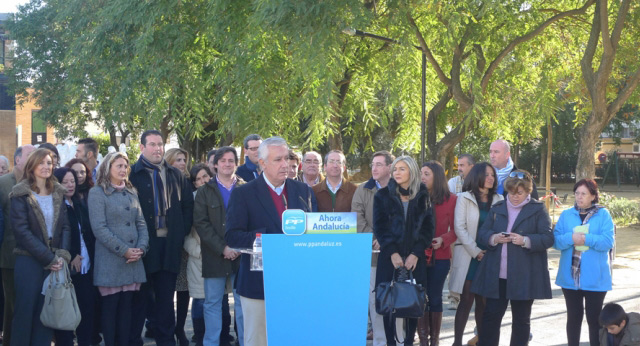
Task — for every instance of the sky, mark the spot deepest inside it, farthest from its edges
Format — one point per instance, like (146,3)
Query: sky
(10,6)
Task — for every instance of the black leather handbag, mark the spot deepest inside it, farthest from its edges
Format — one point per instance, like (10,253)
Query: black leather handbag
(401,297)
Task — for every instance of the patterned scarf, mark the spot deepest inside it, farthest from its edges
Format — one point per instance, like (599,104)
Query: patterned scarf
(160,204)
(576,258)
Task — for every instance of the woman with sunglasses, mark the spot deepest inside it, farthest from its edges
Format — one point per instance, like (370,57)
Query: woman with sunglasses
(472,207)
(516,234)
(584,236)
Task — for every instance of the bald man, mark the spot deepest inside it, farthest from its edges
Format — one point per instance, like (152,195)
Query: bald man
(500,157)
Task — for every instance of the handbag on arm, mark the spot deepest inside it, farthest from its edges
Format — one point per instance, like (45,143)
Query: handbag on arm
(60,310)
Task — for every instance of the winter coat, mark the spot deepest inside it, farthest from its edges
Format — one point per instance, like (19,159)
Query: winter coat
(631,333)
(80,213)
(444,214)
(362,205)
(195,280)
(344,196)
(397,234)
(209,221)
(179,216)
(527,269)
(595,273)
(7,258)
(465,248)
(118,224)
(30,228)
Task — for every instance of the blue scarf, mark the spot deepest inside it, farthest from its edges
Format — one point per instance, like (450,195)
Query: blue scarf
(503,174)
(160,204)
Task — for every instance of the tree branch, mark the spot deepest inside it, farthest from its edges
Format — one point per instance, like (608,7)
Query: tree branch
(432,60)
(530,35)
(432,121)
(463,99)
(622,16)
(586,63)
(624,94)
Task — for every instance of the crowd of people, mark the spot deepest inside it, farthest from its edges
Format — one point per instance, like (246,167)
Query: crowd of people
(137,235)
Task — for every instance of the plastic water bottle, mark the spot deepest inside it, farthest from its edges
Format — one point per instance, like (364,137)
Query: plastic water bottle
(256,256)
(459,182)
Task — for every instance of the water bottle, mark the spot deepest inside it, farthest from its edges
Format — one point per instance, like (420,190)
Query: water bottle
(256,256)
(459,182)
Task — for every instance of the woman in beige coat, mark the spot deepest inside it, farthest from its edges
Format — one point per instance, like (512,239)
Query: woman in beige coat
(479,194)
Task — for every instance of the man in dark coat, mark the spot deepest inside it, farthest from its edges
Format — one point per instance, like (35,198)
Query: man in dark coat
(251,169)
(166,200)
(257,207)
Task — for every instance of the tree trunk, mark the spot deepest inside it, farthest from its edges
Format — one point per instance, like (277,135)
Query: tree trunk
(589,136)
(549,200)
(543,165)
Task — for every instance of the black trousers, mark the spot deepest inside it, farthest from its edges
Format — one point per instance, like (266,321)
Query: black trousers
(86,295)
(116,318)
(579,301)
(160,288)
(409,329)
(493,314)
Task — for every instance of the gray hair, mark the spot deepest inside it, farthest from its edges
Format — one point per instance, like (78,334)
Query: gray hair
(263,149)
(6,160)
(304,157)
(252,137)
(470,159)
(414,174)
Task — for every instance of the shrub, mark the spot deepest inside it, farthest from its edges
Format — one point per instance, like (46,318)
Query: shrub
(623,211)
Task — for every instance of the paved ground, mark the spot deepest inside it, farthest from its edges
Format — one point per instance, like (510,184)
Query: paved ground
(549,316)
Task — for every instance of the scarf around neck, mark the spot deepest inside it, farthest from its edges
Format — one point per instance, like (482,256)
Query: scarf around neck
(160,204)
(576,257)
(503,173)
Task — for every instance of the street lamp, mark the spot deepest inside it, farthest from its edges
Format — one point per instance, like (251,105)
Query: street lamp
(356,32)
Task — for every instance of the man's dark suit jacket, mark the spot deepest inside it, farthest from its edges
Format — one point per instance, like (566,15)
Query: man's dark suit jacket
(250,211)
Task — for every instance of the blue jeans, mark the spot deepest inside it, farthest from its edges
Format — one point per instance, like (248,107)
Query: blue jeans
(436,276)
(213,292)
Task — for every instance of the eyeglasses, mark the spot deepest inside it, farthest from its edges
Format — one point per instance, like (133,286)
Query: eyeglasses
(377,165)
(312,162)
(519,175)
(334,162)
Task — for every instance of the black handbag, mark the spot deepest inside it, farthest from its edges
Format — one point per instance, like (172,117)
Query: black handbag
(401,297)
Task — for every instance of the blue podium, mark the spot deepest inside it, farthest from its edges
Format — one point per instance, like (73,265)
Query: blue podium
(316,288)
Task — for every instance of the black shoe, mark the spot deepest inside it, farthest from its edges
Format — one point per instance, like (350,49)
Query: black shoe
(182,338)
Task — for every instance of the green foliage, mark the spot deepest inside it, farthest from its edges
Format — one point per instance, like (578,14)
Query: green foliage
(133,151)
(623,211)
(103,143)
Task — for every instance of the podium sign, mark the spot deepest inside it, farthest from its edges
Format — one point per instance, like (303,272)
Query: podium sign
(338,223)
(316,288)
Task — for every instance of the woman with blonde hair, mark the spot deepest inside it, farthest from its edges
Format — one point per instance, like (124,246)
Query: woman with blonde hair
(121,241)
(403,225)
(178,158)
(43,238)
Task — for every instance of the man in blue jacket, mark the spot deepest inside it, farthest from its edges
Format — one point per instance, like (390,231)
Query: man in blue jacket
(251,168)
(257,207)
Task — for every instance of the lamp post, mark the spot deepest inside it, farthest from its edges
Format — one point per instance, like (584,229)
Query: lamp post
(356,32)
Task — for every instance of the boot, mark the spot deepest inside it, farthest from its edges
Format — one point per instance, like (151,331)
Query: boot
(198,331)
(435,322)
(423,329)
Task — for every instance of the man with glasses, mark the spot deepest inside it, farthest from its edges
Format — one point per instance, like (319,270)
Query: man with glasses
(311,163)
(334,194)
(251,169)
(362,204)
(500,157)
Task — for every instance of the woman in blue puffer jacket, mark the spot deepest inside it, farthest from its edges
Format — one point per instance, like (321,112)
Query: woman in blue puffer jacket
(584,235)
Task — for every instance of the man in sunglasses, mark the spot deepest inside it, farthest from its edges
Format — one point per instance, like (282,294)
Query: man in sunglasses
(500,157)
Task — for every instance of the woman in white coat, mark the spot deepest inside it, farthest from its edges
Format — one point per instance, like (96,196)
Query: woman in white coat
(472,206)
